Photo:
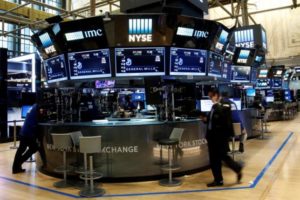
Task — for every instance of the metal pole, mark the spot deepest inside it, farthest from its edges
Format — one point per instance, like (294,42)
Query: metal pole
(170,164)
(15,136)
(245,13)
(93,7)
(91,175)
(225,9)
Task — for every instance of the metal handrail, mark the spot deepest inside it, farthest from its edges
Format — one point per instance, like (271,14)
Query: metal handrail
(15,131)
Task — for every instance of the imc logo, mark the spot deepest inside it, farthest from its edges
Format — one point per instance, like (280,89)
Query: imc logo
(140,30)
(80,35)
(244,38)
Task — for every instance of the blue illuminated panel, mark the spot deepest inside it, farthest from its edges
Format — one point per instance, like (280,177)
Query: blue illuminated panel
(187,62)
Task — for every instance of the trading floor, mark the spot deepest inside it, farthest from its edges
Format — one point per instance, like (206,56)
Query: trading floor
(271,172)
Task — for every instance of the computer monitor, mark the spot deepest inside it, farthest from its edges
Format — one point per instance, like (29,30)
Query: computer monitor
(140,61)
(188,61)
(250,92)
(24,110)
(237,102)
(206,105)
(89,64)
(270,99)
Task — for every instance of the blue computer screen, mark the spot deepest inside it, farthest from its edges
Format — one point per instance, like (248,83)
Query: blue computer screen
(25,110)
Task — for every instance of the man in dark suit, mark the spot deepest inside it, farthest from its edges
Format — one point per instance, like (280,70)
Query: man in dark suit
(219,129)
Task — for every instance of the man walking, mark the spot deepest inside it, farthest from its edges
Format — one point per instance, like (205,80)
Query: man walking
(219,129)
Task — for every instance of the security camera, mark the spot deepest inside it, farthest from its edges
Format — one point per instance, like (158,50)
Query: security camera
(106,16)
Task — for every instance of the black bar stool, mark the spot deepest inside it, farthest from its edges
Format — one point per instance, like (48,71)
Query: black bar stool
(171,142)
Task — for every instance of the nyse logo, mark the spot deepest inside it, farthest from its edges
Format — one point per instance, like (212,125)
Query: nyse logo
(244,38)
(140,30)
(245,44)
(80,35)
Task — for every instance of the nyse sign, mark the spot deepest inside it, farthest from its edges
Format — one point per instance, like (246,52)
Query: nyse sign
(245,44)
(140,30)
(140,38)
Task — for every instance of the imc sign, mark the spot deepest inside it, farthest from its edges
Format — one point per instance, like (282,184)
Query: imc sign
(80,35)
(244,38)
(140,30)
(190,32)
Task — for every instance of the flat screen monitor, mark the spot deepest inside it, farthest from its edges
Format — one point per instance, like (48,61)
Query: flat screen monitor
(263,73)
(104,84)
(269,93)
(222,40)
(138,97)
(55,69)
(243,56)
(89,64)
(253,74)
(258,59)
(226,70)
(250,92)
(148,61)
(278,73)
(188,62)
(206,105)
(270,99)
(214,67)
(276,83)
(240,74)
(24,110)
(237,103)
(45,40)
(287,95)
(263,84)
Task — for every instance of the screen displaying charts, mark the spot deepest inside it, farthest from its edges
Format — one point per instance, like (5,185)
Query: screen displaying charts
(215,64)
(263,83)
(240,73)
(148,61)
(226,70)
(187,62)
(55,69)
(263,73)
(277,83)
(89,64)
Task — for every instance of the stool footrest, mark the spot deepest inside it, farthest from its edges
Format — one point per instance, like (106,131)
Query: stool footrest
(170,168)
(93,176)
(62,169)
(170,183)
(87,192)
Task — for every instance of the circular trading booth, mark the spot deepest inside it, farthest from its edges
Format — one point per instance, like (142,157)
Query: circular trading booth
(165,64)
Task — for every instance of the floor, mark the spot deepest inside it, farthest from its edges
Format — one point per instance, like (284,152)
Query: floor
(272,171)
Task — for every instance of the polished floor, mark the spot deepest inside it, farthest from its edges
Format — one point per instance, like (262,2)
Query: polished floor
(272,171)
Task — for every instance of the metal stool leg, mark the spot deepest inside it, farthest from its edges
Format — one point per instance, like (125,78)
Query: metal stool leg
(92,191)
(170,181)
(63,183)
(233,147)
